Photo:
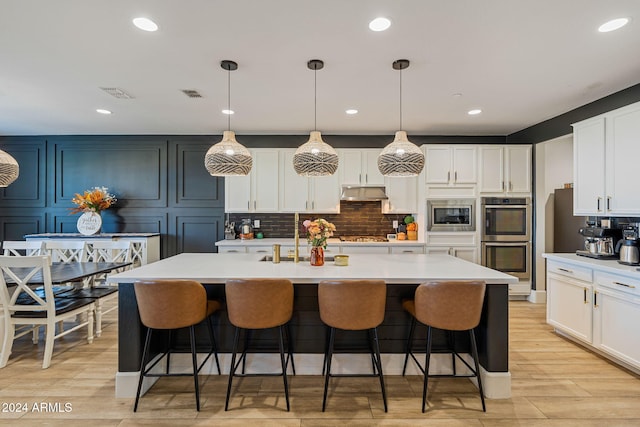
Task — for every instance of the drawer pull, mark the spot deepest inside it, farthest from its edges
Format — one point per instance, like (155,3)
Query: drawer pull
(625,285)
(565,270)
(261,251)
(595,299)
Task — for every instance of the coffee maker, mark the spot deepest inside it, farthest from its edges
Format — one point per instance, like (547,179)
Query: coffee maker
(600,242)
(629,246)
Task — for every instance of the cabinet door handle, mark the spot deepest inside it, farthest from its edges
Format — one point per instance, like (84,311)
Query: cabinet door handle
(360,178)
(595,299)
(608,203)
(455,176)
(624,284)
(407,252)
(598,207)
(366,178)
(248,205)
(306,205)
(510,186)
(261,251)
(585,295)
(448,176)
(565,270)
(254,205)
(502,186)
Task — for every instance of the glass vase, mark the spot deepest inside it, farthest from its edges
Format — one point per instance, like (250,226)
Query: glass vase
(316,257)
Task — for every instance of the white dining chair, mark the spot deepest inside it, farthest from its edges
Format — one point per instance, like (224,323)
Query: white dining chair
(97,289)
(23,247)
(23,309)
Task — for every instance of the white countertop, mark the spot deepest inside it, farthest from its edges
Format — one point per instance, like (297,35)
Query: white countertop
(403,268)
(303,242)
(610,265)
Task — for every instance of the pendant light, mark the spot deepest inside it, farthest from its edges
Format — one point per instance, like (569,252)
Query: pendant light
(228,157)
(315,157)
(401,157)
(9,169)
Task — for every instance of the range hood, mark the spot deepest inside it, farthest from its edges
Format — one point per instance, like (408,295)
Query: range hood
(358,193)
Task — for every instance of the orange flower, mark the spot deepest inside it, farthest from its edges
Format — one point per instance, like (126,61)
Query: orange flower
(319,231)
(95,200)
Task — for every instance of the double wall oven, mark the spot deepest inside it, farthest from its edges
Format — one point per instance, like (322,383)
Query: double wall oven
(506,235)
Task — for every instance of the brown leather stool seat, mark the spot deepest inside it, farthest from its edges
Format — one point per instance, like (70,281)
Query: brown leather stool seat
(259,304)
(353,305)
(170,305)
(450,306)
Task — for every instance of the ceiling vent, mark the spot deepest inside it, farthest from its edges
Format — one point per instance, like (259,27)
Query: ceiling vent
(191,93)
(117,93)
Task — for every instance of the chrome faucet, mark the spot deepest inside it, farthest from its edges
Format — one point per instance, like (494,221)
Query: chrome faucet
(296,236)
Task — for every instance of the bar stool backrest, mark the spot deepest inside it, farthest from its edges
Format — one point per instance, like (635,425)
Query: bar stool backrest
(259,303)
(170,304)
(450,305)
(352,304)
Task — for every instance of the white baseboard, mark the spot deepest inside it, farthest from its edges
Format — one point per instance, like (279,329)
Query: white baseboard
(497,385)
(537,297)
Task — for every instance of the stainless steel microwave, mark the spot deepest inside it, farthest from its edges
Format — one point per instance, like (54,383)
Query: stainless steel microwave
(451,215)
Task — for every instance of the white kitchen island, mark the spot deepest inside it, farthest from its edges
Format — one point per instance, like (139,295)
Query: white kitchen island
(402,272)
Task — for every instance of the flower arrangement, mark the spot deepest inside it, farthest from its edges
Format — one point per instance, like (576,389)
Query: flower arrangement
(318,231)
(95,200)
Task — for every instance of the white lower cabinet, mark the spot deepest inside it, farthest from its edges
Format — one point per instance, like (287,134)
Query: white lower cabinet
(616,316)
(569,306)
(466,253)
(599,308)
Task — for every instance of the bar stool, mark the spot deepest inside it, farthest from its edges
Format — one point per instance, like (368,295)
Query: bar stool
(449,306)
(353,305)
(170,305)
(259,304)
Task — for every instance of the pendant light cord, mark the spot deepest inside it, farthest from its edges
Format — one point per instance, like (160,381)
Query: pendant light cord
(229,99)
(315,99)
(400,99)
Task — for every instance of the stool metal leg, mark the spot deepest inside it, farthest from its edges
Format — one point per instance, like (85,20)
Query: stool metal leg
(474,349)
(232,368)
(379,362)
(452,345)
(284,366)
(143,364)
(169,339)
(290,348)
(214,345)
(374,364)
(327,374)
(194,360)
(326,348)
(426,368)
(409,344)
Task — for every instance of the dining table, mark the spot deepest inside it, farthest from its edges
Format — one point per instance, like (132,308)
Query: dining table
(67,272)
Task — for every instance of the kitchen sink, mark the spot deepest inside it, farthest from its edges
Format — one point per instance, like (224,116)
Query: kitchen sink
(287,259)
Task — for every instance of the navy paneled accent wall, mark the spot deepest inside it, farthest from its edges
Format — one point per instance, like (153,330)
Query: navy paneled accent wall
(160,182)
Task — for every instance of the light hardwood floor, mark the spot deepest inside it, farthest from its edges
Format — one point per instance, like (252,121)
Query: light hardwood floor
(554,381)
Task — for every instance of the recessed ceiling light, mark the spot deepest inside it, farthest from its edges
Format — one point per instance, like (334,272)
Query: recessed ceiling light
(228,112)
(351,111)
(457,95)
(102,111)
(145,24)
(379,24)
(613,25)
(474,112)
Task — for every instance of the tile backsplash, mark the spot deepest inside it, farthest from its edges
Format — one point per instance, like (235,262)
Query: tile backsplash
(354,219)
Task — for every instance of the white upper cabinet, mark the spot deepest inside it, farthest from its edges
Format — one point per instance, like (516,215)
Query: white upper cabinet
(402,193)
(505,169)
(302,194)
(606,150)
(258,191)
(451,164)
(360,167)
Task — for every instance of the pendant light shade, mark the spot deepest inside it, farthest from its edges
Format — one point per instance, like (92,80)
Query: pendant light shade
(228,157)
(315,157)
(401,157)
(9,169)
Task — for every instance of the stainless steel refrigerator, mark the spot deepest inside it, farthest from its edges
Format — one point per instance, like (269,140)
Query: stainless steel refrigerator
(565,225)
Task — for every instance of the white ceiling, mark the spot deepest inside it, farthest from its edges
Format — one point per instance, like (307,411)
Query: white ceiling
(520,61)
